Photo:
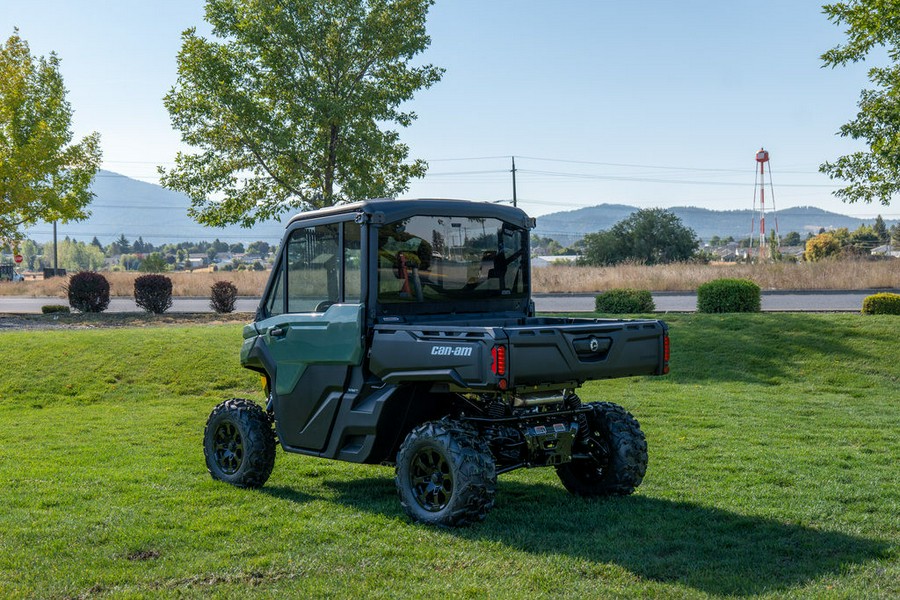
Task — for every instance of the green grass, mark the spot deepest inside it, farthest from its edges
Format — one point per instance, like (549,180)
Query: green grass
(773,472)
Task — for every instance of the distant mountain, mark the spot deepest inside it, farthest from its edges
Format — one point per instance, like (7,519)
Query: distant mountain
(127,206)
(569,226)
(137,209)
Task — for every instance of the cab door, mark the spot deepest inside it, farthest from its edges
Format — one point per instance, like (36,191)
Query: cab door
(313,329)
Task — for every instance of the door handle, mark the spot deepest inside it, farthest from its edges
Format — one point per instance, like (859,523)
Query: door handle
(277,331)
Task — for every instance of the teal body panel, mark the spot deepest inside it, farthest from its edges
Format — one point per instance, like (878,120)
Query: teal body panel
(250,335)
(295,341)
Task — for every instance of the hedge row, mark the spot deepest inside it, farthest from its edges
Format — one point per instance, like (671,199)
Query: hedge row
(89,293)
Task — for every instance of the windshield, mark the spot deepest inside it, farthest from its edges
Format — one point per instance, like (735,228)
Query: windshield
(426,259)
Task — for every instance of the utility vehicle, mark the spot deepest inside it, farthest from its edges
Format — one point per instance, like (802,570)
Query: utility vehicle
(402,332)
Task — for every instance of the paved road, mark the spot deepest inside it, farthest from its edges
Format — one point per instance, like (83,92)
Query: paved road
(665,302)
(687,302)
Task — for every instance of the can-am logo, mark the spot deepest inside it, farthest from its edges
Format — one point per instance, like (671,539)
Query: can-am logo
(451,351)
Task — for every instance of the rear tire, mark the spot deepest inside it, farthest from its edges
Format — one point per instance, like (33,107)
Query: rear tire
(445,474)
(239,443)
(617,453)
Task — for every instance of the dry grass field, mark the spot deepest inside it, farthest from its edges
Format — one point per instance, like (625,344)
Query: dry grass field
(825,275)
(249,283)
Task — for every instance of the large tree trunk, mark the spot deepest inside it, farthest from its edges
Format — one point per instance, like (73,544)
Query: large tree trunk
(330,166)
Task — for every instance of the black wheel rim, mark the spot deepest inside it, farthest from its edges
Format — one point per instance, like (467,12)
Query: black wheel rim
(228,448)
(432,481)
(592,469)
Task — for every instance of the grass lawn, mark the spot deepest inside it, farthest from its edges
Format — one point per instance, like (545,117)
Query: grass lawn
(774,454)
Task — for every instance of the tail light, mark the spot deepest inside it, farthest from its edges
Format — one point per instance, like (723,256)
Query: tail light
(665,354)
(498,360)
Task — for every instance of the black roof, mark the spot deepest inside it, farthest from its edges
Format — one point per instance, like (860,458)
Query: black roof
(394,210)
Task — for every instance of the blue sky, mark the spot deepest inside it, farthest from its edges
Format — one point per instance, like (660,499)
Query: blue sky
(649,103)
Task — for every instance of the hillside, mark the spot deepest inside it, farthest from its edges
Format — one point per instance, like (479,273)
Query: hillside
(127,206)
(134,208)
(567,227)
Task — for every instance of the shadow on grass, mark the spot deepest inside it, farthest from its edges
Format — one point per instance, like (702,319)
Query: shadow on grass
(708,549)
(761,348)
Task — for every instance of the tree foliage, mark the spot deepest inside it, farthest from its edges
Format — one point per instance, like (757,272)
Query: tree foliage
(821,246)
(649,236)
(881,230)
(873,175)
(154,263)
(287,106)
(43,176)
(74,256)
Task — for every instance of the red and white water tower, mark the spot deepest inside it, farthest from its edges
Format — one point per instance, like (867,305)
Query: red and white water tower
(758,238)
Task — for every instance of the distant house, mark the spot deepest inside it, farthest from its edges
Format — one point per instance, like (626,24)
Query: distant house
(794,251)
(886,250)
(727,253)
(546,261)
(195,261)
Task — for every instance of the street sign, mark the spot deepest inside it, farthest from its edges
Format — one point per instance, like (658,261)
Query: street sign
(17,258)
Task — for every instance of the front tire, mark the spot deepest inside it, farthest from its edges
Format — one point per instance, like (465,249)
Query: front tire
(616,452)
(445,474)
(239,443)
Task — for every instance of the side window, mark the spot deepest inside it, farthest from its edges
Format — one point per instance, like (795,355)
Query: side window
(352,263)
(313,268)
(275,302)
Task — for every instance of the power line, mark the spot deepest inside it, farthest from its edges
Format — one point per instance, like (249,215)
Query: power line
(661,167)
(446,173)
(667,181)
(536,158)
(466,158)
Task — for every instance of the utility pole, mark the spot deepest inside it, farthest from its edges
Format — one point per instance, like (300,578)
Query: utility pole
(514,179)
(55,265)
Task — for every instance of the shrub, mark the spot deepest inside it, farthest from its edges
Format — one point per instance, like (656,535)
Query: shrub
(625,300)
(222,296)
(881,304)
(727,296)
(49,309)
(88,292)
(153,293)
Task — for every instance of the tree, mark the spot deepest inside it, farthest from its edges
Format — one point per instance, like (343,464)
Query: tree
(774,246)
(600,248)
(258,248)
(76,256)
(792,238)
(140,246)
(286,109)
(862,241)
(648,236)
(821,246)
(881,230)
(130,262)
(872,175)
(895,234)
(43,176)
(154,263)
(120,246)
(30,252)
